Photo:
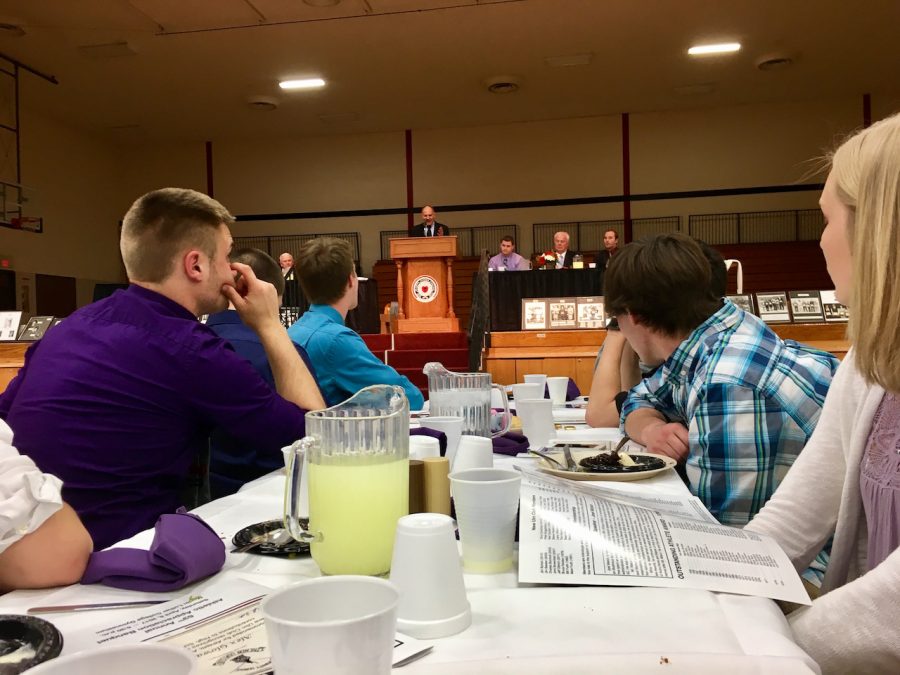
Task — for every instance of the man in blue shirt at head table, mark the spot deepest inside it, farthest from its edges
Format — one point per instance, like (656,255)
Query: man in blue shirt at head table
(119,399)
(343,361)
(730,399)
(234,462)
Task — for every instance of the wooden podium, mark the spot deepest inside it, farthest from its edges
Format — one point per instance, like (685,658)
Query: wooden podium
(425,284)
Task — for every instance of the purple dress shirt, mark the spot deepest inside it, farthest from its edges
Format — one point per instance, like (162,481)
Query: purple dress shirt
(119,398)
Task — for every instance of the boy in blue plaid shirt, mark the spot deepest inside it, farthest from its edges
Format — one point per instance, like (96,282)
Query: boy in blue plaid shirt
(731,400)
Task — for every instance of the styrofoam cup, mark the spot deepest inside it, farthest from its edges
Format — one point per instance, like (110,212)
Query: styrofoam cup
(421,447)
(134,659)
(474,452)
(525,391)
(341,625)
(452,426)
(537,420)
(426,571)
(558,387)
(486,503)
(537,379)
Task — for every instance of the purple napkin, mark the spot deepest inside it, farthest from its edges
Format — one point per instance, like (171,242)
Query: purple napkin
(510,443)
(184,550)
(572,391)
(434,433)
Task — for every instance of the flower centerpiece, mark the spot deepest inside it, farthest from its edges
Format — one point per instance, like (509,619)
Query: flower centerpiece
(547,260)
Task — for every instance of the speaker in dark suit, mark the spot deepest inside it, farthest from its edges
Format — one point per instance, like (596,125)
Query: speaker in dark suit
(429,227)
(435,230)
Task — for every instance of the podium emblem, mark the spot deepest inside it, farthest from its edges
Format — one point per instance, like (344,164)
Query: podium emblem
(425,288)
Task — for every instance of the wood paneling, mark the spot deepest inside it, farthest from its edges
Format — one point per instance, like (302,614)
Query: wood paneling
(781,266)
(572,353)
(385,272)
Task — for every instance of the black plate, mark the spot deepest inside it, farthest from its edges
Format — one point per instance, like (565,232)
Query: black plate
(292,548)
(32,639)
(641,463)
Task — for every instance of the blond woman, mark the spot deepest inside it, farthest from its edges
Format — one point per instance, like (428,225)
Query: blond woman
(846,481)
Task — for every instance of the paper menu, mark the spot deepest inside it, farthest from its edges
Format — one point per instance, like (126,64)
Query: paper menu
(220,623)
(569,534)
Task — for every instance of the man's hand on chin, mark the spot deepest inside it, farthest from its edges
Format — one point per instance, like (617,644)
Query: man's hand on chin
(256,301)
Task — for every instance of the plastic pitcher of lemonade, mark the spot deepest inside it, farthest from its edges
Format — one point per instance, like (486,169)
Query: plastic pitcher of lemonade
(466,395)
(358,458)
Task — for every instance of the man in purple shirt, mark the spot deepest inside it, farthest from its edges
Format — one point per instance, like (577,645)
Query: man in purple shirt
(120,397)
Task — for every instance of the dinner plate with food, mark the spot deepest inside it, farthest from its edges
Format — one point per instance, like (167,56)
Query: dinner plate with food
(602,461)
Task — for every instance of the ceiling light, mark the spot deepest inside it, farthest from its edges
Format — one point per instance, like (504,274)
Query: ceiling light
(502,84)
(321,3)
(309,83)
(262,103)
(723,48)
(774,62)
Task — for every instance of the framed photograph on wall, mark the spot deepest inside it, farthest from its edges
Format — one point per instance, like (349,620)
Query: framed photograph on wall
(773,307)
(35,328)
(806,306)
(591,312)
(834,311)
(9,325)
(562,313)
(745,302)
(534,314)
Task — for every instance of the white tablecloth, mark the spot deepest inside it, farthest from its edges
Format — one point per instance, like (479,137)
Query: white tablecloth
(516,628)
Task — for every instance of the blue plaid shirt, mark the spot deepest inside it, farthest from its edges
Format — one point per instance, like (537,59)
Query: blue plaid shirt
(749,400)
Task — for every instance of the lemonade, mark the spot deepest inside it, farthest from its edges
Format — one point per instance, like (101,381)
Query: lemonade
(356,508)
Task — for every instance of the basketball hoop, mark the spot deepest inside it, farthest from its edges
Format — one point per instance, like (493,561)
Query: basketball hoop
(28,223)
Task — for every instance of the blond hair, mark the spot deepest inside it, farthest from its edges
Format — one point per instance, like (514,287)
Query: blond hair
(866,172)
(162,223)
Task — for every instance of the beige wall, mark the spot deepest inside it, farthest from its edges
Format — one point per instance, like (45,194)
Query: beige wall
(74,186)
(83,186)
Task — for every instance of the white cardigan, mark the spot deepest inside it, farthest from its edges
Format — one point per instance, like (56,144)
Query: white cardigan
(855,626)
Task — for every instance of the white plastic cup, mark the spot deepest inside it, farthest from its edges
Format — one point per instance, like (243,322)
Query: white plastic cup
(526,391)
(452,426)
(134,659)
(421,447)
(537,420)
(537,379)
(341,625)
(426,571)
(558,387)
(486,504)
(474,452)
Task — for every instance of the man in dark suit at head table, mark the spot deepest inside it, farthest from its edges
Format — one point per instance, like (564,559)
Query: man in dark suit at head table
(561,247)
(429,227)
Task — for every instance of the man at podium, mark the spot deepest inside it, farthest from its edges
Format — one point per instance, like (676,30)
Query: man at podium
(429,227)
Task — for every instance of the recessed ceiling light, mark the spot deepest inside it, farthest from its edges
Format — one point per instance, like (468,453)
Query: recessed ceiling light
(309,83)
(722,48)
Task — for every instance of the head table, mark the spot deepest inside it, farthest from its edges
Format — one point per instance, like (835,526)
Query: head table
(516,628)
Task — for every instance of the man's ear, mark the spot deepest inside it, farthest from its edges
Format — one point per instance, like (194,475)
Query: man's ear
(193,265)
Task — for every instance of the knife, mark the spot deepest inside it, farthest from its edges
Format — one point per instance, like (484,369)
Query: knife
(51,609)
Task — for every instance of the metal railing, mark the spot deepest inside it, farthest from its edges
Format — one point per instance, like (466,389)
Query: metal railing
(752,227)
(275,245)
(588,235)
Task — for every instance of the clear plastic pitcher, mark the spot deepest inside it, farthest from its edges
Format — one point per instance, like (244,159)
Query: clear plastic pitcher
(466,395)
(358,453)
